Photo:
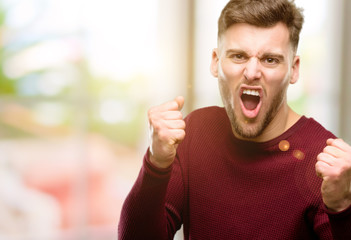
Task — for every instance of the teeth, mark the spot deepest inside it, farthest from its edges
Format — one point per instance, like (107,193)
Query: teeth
(251,92)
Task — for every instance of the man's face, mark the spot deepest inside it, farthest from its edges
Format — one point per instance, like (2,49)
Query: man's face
(254,67)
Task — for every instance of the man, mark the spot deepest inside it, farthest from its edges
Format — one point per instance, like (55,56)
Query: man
(255,169)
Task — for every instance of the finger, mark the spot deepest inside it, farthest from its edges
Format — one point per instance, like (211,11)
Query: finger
(177,135)
(326,158)
(339,143)
(171,136)
(334,151)
(168,106)
(175,124)
(180,101)
(171,115)
(156,116)
(321,168)
(330,141)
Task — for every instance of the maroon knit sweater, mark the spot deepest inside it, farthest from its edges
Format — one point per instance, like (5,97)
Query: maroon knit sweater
(220,187)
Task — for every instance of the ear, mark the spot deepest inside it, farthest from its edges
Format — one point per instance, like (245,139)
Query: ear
(295,70)
(214,62)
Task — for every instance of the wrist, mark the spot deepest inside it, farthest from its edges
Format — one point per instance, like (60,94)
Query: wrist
(157,163)
(340,206)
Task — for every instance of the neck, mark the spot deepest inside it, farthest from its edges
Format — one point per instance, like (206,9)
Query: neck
(283,120)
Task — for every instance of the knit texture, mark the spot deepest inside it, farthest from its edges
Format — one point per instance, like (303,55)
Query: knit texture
(220,187)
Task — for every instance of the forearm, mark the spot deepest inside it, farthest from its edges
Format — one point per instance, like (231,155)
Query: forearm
(144,214)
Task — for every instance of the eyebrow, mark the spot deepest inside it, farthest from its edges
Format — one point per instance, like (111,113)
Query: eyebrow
(280,57)
(236,51)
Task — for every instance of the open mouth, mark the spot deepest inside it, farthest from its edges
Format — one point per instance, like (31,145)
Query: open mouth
(250,102)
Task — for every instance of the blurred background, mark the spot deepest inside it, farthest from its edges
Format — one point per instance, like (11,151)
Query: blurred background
(76,80)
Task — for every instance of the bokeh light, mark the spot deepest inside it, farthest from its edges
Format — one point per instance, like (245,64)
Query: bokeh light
(299,154)
(284,145)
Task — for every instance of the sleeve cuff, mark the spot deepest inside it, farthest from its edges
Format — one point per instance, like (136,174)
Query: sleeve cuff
(342,214)
(152,170)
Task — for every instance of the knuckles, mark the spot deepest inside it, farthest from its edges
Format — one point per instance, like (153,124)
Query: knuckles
(179,115)
(151,113)
(333,172)
(166,130)
(182,124)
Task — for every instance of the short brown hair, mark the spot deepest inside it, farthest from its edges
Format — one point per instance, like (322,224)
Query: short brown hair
(263,13)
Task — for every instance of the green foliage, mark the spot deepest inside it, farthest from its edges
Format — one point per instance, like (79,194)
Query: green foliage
(2,16)
(83,97)
(7,86)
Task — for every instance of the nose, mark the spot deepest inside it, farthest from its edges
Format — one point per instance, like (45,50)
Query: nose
(253,69)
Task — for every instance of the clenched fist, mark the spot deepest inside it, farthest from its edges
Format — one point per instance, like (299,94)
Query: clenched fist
(167,130)
(334,167)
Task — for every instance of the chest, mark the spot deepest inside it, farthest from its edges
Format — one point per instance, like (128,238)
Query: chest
(250,199)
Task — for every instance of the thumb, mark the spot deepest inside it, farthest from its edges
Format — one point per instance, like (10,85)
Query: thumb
(180,102)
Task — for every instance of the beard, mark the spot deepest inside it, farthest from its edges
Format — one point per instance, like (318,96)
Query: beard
(248,129)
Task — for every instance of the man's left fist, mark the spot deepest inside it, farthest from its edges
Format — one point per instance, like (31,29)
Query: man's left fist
(334,167)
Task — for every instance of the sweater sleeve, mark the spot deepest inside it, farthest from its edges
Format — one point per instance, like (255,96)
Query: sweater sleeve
(340,223)
(152,209)
(332,225)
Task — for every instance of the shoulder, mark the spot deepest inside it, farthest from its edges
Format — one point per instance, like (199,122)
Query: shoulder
(315,129)
(310,137)
(206,114)
(209,121)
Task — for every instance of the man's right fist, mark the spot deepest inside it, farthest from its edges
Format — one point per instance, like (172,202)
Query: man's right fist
(167,130)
